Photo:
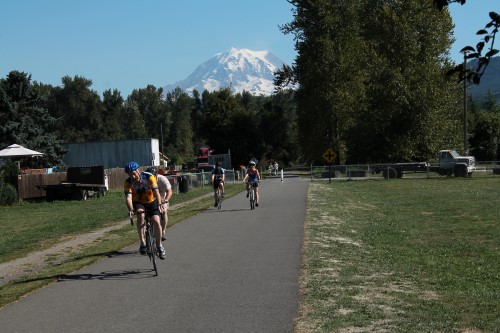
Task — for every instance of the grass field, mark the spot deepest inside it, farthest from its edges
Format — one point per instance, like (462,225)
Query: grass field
(402,256)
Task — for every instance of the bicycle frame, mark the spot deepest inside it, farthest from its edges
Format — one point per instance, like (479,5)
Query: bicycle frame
(251,195)
(151,249)
(219,197)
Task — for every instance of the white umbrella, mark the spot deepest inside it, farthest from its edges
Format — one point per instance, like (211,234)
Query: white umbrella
(18,151)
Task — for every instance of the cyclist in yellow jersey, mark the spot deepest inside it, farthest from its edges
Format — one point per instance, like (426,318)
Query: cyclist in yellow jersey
(142,195)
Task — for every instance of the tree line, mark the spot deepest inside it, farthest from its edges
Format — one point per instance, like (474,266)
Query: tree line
(42,117)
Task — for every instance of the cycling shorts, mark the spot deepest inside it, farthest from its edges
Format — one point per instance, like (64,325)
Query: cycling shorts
(217,181)
(151,208)
(254,183)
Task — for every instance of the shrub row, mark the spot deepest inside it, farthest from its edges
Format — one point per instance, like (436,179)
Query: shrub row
(8,194)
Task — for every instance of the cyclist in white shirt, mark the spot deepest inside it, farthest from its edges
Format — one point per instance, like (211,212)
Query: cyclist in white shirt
(165,189)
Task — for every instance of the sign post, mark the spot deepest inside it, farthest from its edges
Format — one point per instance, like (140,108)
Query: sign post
(329,155)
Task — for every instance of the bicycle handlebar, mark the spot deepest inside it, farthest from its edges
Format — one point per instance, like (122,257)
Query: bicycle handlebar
(132,214)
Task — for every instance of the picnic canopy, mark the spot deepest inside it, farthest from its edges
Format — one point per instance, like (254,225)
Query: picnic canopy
(16,150)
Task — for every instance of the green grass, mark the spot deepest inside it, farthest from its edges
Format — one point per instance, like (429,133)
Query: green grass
(34,226)
(404,255)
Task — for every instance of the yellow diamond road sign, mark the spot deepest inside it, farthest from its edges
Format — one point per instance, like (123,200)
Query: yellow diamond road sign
(329,155)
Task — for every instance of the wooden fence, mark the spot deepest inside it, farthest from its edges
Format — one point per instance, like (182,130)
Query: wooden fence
(26,184)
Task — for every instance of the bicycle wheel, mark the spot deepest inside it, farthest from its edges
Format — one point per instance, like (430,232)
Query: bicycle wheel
(219,199)
(252,198)
(151,244)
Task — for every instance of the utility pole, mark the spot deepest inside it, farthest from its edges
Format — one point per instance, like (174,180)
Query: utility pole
(465,105)
(162,154)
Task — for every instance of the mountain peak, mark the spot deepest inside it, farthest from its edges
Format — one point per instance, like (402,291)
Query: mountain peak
(239,69)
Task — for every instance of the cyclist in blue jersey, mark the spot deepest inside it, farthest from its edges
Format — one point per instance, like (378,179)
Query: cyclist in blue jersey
(142,196)
(253,177)
(218,178)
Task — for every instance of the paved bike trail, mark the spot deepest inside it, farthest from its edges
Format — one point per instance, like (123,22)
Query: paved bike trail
(233,270)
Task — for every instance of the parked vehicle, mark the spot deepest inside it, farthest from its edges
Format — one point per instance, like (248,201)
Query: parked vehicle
(81,183)
(205,159)
(451,163)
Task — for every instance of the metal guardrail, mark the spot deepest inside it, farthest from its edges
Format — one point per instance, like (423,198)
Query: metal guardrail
(182,182)
(385,171)
(202,179)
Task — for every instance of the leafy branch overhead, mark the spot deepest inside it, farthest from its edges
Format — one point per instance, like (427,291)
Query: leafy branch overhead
(473,75)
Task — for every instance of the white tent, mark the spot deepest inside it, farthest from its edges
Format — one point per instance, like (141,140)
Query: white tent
(18,151)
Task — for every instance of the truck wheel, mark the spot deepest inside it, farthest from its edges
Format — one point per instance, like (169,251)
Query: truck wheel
(460,170)
(80,195)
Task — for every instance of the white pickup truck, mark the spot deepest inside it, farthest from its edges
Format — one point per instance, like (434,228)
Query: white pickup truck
(451,163)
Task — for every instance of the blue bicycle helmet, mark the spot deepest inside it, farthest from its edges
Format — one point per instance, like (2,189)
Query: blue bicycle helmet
(132,166)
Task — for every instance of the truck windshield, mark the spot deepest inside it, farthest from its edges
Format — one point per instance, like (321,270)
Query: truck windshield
(455,154)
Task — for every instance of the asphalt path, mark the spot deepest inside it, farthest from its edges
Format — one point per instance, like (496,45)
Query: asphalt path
(233,270)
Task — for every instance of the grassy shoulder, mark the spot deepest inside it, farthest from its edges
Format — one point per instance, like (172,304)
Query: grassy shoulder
(402,256)
(41,225)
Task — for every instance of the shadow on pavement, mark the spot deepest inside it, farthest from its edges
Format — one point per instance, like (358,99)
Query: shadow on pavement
(215,210)
(109,275)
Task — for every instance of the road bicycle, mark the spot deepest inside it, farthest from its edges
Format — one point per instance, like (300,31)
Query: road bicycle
(151,249)
(251,195)
(218,194)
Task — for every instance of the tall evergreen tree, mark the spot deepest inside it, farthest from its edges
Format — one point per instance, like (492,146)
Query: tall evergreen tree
(197,119)
(279,126)
(491,103)
(24,120)
(228,126)
(485,141)
(132,121)
(152,107)
(113,111)
(180,147)
(80,110)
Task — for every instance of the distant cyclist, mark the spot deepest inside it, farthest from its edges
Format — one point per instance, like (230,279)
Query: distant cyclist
(142,195)
(218,178)
(253,177)
(166,192)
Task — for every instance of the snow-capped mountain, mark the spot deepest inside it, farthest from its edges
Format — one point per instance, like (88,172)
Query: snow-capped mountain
(239,69)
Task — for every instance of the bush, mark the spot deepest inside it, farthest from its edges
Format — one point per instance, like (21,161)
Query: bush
(8,194)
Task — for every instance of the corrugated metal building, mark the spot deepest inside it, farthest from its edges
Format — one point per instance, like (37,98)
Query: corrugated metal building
(112,154)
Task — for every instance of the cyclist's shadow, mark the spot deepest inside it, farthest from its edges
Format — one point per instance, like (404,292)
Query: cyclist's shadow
(222,210)
(111,275)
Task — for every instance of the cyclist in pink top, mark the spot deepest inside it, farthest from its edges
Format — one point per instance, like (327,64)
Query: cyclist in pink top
(253,177)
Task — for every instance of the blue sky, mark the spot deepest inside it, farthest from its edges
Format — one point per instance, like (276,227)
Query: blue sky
(128,44)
